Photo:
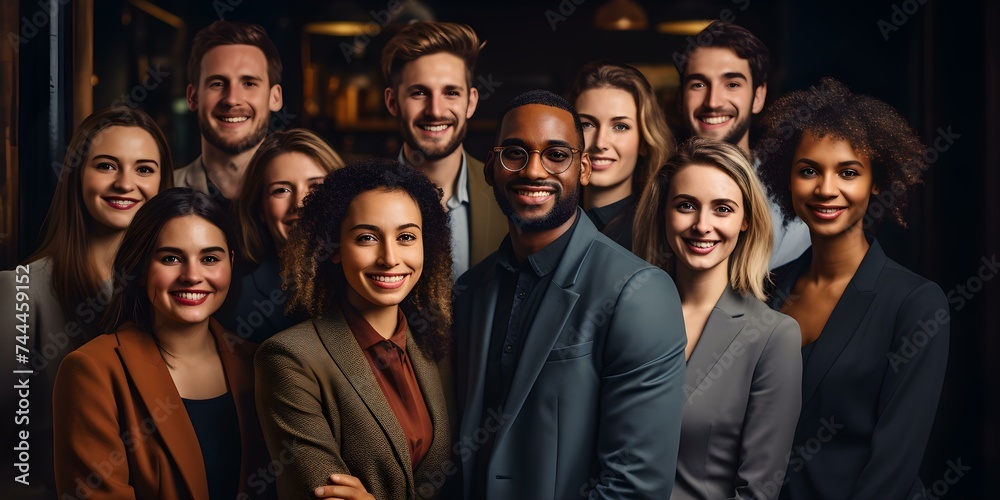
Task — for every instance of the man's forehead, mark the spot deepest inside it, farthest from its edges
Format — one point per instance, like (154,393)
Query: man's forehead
(227,54)
(716,60)
(538,117)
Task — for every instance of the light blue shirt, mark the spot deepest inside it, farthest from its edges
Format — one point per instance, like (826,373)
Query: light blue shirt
(458,216)
(789,241)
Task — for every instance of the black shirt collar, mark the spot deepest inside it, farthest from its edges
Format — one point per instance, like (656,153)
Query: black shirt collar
(541,262)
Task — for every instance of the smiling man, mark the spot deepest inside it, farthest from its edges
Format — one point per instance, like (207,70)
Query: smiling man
(234,76)
(569,349)
(723,84)
(428,72)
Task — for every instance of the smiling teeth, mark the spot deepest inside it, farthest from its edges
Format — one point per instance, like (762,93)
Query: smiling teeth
(236,119)
(703,244)
(191,296)
(387,279)
(434,128)
(533,194)
(601,162)
(122,203)
(827,210)
(715,120)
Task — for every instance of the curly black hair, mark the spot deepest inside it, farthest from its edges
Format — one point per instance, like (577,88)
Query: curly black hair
(318,285)
(872,127)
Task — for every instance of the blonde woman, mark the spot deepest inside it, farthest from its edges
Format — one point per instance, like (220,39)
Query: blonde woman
(627,138)
(704,219)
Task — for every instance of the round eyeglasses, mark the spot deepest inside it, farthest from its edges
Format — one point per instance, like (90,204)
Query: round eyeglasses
(555,159)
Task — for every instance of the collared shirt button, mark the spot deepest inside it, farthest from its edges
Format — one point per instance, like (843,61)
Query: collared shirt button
(508,348)
(521,294)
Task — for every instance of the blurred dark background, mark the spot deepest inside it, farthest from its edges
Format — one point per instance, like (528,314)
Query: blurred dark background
(937,62)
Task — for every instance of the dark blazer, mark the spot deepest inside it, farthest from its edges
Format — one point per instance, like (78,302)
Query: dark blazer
(743,395)
(256,311)
(121,430)
(870,385)
(323,413)
(595,402)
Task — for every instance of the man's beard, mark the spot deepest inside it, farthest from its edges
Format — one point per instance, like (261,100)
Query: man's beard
(423,154)
(562,211)
(739,129)
(232,148)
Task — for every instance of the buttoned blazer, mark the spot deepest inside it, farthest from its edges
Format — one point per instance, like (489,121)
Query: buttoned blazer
(489,224)
(594,406)
(323,412)
(743,395)
(121,429)
(48,337)
(870,388)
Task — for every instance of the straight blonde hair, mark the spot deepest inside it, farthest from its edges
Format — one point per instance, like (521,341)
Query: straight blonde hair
(748,264)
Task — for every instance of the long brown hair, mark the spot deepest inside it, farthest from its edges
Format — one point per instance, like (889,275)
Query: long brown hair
(66,243)
(252,236)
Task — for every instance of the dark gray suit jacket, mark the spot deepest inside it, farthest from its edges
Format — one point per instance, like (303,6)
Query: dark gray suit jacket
(744,391)
(595,404)
(871,384)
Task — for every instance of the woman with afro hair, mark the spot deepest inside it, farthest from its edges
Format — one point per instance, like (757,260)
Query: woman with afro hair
(874,334)
(356,395)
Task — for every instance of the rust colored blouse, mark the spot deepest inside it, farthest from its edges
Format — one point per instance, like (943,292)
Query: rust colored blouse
(392,369)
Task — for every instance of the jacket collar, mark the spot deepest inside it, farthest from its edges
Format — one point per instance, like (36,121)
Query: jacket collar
(142,360)
(847,314)
(722,327)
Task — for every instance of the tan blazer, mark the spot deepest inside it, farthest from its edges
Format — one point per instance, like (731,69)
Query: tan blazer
(121,430)
(489,224)
(192,175)
(323,412)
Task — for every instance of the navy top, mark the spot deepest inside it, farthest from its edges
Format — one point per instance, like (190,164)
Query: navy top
(217,427)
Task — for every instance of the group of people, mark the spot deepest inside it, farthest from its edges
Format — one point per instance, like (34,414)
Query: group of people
(592,311)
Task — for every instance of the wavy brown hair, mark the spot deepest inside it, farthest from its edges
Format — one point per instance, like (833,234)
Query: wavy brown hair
(66,243)
(425,38)
(253,238)
(319,284)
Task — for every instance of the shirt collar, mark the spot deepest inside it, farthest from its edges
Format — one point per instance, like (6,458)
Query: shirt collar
(541,262)
(460,194)
(607,213)
(366,335)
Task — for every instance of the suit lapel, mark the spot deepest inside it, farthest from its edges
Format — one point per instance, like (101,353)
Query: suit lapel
(345,351)
(843,323)
(156,388)
(724,324)
(554,311)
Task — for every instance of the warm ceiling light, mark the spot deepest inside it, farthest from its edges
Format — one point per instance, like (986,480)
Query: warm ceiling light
(683,28)
(620,15)
(336,28)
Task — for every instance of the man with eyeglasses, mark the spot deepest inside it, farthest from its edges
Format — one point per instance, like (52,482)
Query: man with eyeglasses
(569,350)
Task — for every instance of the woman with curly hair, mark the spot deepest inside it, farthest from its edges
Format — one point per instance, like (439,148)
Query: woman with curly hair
(627,138)
(707,208)
(357,394)
(287,166)
(874,334)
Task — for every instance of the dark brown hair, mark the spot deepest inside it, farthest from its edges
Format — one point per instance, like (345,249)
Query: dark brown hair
(233,33)
(737,39)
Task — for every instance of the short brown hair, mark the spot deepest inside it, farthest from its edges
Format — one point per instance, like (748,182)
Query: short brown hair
(233,33)
(425,38)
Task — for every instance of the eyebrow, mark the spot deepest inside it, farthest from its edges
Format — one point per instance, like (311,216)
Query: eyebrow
(727,76)
(116,160)
(614,118)
(372,227)
(244,78)
(178,250)
(715,201)
(844,163)
(514,141)
(290,182)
